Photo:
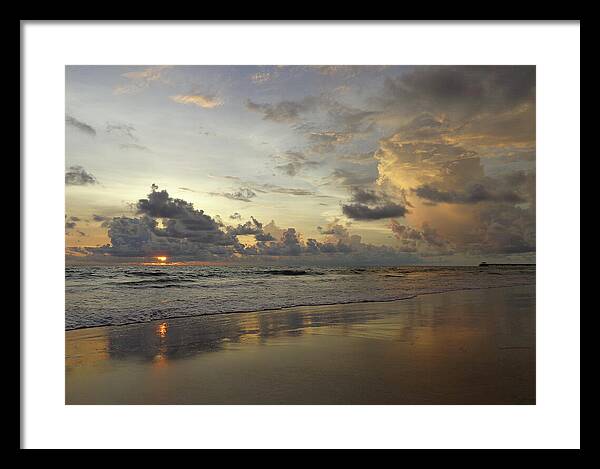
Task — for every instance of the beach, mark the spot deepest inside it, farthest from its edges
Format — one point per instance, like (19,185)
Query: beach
(469,346)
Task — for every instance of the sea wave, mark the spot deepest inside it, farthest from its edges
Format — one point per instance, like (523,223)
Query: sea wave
(113,295)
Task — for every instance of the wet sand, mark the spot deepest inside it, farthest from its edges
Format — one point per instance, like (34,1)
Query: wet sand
(462,347)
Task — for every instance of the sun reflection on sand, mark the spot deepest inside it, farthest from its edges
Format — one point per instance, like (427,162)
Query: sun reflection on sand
(162,329)
(160,359)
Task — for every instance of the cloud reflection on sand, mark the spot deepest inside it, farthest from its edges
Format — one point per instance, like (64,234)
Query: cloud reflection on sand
(454,348)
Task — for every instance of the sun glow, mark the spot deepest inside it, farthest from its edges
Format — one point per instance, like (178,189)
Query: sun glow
(161,258)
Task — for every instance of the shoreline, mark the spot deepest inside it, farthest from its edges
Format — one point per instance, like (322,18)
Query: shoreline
(283,308)
(473,346)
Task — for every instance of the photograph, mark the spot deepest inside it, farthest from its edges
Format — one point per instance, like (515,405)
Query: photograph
(300,234)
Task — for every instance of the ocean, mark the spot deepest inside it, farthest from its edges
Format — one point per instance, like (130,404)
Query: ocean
(125,294)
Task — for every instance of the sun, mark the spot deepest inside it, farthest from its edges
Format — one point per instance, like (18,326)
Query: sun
(161,258)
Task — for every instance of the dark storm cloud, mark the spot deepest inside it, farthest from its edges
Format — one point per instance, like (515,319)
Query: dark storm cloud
(365,196)
(371,204)
(182,219)
(99,218)
(158,204)
(289,244)
(263,237)
(82,126)
(252,227)
(463,89)
(78,176)
(183,231)
(358,211)
(455,129)
(505,229)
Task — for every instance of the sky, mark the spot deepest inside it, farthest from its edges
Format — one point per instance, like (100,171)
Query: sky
(348,165)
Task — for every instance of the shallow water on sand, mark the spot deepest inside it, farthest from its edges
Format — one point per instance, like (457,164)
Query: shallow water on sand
(461,347)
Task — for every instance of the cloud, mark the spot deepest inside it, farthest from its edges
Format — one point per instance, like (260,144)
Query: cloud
(159,204)
(99,218)
(121,129)
(140,79)
(173,227)
(426,241)
(261,77)
(474,194)
(326,142)
(336,233)
(284,111)
(338,247)
(461,90)
(82,126)
(235,216)
(182,231)
(133,146)
(252,227)
(286,190)
(358,158)
(447,150)
(365,196)
(452,125)
(334,70)
(478,106)
(338,124)
(295,162)
(358,211)
(346,178)
(505,229)
(78,176)
(375,204)
(203,101)
(243,195)
(348,119)
(265,188)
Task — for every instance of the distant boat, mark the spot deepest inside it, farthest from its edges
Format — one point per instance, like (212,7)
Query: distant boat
(483,264)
